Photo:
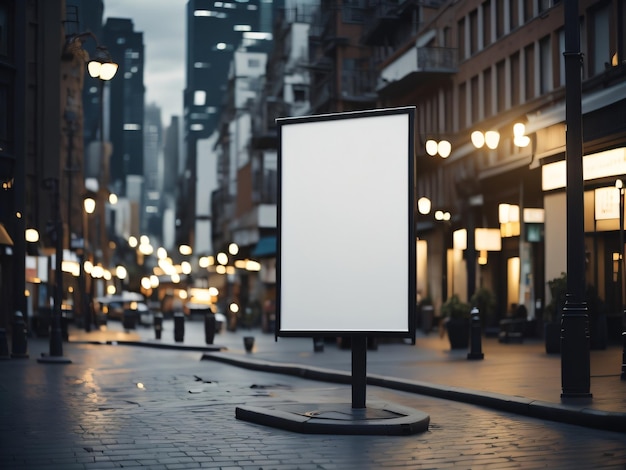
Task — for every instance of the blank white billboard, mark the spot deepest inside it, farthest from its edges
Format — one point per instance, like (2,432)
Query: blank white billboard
(346,244)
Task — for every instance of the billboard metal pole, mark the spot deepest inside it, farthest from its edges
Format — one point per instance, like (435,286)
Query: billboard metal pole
(359,370)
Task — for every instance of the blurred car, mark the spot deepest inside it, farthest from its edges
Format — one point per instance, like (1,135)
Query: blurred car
(117,307)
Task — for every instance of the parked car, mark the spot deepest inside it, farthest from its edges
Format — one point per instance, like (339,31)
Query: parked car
(121,306)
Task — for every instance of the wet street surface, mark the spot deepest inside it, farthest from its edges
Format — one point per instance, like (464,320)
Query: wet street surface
(130,407)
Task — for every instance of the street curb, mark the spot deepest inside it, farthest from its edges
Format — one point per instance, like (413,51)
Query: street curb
(181,347)
(573,412)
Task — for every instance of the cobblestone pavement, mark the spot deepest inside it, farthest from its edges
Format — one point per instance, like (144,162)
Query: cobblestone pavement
(129,407)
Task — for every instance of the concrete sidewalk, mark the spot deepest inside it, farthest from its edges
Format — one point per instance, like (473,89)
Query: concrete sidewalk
(518,378)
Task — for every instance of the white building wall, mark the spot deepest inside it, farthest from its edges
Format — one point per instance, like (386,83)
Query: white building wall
(206,164)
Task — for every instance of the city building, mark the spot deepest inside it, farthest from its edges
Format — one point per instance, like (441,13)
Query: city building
(494,66)
(215,30)
(125,118)
(261,88)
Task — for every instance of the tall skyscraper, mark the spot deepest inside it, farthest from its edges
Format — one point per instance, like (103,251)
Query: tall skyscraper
(153,171)
(126,110)
(214,32)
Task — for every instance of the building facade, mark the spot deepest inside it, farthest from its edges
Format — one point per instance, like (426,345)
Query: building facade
(481,66)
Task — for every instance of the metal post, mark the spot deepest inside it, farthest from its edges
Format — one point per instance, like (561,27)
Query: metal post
(623,271)
(470,252)
(359,370)
(56,336)
(476,346)
(575,367)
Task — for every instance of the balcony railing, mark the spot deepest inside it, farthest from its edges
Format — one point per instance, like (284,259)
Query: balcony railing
(421,59)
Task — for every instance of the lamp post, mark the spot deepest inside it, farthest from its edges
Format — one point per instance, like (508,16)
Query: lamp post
(56,334)
(444,218)
(490,139)
(102,67)
(89,205)
(575,361)
(620,186)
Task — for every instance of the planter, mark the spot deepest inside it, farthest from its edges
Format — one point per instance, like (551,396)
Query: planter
(458,333)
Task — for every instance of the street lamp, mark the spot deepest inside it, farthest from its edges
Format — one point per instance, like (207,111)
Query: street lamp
(620,186)
(489,138)
(102,67)
(443,148)
(89,205)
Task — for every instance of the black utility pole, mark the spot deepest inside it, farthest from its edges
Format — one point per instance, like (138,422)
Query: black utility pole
(575,368)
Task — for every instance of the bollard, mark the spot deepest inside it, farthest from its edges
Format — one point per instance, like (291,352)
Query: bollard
(475,336)
(129,319)
(158,325)
(209,327)
(248,343)
(623,376)
(179,327)
(4,345)
(19,347)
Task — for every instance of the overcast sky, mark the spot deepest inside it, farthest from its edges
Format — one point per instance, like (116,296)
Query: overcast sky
(162,23)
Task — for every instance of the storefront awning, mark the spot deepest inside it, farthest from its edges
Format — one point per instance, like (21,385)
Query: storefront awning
(265,247)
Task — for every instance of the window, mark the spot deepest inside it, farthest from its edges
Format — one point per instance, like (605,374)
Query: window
(476,99)
(487,30)
(545,66)
(528,10)
(515,79)
(461,40)
(488,92)
(514,14)
(529,78)
(462,106)
(500,18)
(473,24)
(561,36)
(299,93)
(600,48)
(501,86)
(199,98)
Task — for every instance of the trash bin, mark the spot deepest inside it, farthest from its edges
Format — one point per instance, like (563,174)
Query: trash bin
(209,326)
(158,325)
(179,327)
(129,320)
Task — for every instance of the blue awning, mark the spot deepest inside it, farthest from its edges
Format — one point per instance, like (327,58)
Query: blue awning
(266,247)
